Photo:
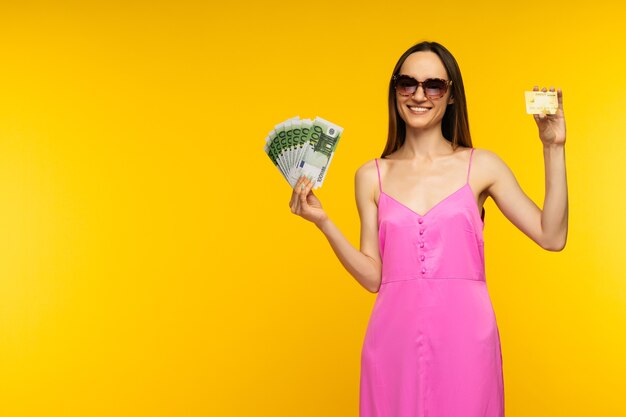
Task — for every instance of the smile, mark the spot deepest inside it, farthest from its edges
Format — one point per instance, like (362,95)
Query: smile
(418,109)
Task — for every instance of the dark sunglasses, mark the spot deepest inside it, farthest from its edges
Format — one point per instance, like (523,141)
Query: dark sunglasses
(433,87)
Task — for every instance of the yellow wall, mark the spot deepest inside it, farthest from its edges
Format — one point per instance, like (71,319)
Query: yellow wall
(149,263)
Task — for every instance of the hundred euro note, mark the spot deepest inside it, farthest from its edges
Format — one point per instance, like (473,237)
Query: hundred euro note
(276,145)
(283,142)
(317,152)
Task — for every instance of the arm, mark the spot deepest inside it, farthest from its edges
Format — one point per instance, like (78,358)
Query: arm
(547,227)
(365,264)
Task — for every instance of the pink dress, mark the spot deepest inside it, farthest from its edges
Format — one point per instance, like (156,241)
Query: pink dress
(432,346)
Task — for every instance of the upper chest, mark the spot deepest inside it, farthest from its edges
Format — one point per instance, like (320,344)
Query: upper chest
(421,186)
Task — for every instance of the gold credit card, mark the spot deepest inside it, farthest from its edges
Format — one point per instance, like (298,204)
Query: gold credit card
(540,102)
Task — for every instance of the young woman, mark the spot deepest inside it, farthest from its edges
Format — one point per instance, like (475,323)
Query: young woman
(432,346)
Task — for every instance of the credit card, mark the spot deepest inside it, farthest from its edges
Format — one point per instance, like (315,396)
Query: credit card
(540,102)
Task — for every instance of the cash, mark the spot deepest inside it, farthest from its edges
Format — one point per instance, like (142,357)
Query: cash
(303,147)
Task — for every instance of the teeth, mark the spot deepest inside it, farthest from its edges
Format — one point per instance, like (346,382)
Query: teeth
(419,109)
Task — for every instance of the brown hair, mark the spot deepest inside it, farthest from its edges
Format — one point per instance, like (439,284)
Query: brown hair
(454,125)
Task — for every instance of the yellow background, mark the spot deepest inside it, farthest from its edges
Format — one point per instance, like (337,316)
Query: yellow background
(149,263)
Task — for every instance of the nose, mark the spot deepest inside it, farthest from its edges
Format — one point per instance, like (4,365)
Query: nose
(419,93)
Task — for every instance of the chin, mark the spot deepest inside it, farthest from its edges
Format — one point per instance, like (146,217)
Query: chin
(420,124)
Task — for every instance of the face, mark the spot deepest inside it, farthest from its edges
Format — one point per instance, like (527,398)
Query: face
(419,111)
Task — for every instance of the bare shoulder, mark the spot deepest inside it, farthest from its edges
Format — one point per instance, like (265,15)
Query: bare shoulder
(488,167)
(487,162)
(366,181)
(486,157)
(367,173)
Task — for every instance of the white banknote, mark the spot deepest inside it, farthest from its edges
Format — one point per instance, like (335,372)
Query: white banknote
(303,147)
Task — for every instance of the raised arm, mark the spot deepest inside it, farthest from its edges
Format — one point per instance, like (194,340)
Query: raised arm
(547,227)
(364,264)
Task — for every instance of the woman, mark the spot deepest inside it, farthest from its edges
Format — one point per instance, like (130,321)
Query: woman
(432,346)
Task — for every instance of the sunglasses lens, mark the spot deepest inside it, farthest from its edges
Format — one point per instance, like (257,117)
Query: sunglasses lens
(435,88)
(406,85)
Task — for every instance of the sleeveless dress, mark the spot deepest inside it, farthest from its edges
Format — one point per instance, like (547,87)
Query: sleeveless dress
(432,346)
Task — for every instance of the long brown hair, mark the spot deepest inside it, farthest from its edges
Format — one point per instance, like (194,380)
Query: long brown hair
(455,124)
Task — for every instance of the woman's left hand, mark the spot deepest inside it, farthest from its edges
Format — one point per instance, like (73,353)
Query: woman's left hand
(551,126)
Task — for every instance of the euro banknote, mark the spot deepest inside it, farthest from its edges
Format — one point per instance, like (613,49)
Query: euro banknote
(303,147)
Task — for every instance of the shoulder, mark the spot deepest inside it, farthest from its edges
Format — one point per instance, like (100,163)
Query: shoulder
(366,180)
(367,172)
(487,160)
(489,167)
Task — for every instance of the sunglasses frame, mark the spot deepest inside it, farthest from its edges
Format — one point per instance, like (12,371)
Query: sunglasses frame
(447,83)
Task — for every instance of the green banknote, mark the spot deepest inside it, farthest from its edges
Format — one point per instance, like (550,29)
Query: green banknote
(270,150)
(277,144)
(318,152)
(303,147)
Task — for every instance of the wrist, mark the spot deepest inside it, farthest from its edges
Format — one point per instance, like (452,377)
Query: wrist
(323,224)
(554,151)
(554,146)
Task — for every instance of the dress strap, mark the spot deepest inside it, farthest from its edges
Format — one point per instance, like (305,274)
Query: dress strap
(380,185)
(470,164)
(482,215)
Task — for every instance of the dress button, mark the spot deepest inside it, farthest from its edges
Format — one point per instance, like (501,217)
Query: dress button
(423,270)
(421,244)
(420,221)
(421,231)
(422,257)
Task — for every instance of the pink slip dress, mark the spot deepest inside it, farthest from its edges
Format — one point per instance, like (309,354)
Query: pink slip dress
(432,346)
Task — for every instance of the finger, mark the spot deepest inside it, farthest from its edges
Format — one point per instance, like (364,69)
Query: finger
(303,189)
(544,89)
(311,184)
(536,88)
(298,184)
(293,204)
(305,185)
(308,183)
(297,189)
(295,207)
(303,203)
(559,95)
(294,194)
(552,115)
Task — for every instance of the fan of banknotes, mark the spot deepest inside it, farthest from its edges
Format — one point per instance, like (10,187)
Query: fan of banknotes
(303,147)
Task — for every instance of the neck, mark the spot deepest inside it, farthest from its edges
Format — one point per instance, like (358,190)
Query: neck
(424,144)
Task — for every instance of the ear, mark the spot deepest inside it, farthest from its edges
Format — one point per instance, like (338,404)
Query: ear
(451,100)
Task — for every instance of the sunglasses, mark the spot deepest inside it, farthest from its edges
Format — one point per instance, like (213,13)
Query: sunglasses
(433,87)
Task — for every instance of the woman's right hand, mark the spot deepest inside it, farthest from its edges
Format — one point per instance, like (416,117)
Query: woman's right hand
(305,204)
